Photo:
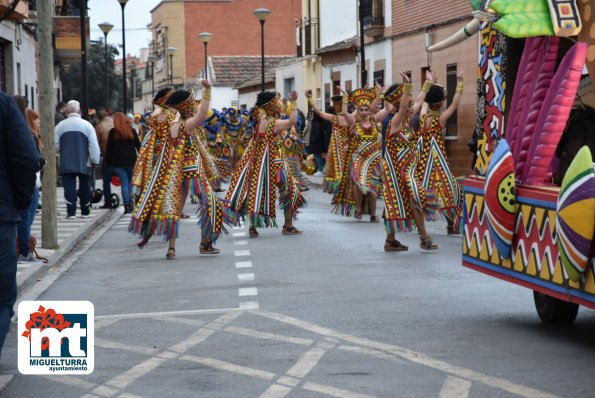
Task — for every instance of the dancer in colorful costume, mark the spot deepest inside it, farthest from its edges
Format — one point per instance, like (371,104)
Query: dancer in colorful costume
(158,176)
(262,169)
(433,169)
(212,213)
(292,148)
(338,159)
(406,200)
(152,173)
(366,142)
(215,142)
(232,130)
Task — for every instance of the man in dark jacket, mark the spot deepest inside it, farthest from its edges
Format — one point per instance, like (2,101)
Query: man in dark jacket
(19,161)
(320,137)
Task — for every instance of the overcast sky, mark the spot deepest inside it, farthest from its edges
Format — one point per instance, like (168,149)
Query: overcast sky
(138,15)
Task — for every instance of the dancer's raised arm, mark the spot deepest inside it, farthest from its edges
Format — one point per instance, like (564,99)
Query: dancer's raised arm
(198,119)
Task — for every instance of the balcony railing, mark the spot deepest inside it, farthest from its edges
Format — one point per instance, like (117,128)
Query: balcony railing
(373,17)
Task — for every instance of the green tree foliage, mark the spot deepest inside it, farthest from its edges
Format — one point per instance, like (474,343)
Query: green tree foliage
(71,79)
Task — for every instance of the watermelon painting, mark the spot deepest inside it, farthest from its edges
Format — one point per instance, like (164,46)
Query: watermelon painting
(500,198)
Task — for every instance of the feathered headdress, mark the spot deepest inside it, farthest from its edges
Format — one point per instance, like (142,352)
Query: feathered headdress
(362,97)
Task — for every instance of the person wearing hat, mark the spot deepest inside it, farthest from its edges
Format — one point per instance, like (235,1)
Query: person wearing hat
(367,142)
(338,181)
(406,201)
(232,130)
(151,173)
(432,169)
(261,170)
(215,143)
(194,181)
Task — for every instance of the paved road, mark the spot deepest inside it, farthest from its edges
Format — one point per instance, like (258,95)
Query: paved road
(325,314)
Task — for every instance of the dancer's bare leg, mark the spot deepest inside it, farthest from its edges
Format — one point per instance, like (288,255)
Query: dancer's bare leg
(372,203)
(426,240)
(359,199)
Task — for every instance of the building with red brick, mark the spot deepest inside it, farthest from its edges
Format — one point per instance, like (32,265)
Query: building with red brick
(236,32)
(418,22)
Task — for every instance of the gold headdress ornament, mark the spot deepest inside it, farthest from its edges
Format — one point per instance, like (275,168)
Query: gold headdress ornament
(362,97)
(183,102)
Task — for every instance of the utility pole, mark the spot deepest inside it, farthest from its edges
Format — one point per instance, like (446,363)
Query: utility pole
(49,226)
(364,73)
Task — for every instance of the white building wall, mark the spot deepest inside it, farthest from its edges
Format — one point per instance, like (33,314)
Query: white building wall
(223,97)
(20,55)
(248,99)
(378,51)
(348,72)
(338,21)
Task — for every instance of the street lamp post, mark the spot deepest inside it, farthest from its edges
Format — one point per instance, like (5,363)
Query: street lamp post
(205,37)
(364,73)
(262,14)
(132,73)
(105,27)
(170,52)
(123,4)
(84,78)
(152,59)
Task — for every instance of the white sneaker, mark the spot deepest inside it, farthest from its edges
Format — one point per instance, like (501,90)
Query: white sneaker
(318,174)
(28,260)
(71,217)
(86,216)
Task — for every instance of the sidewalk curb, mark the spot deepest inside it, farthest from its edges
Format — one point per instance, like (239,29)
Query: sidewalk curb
(315,181)
(32,274)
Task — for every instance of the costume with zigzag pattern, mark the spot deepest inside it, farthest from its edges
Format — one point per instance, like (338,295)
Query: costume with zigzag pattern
(253,187)
(402,189)
(365,165)
(338,164)
(434,173)
(157,179)
(212,213)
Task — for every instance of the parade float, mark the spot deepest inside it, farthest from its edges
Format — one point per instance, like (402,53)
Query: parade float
(517,225)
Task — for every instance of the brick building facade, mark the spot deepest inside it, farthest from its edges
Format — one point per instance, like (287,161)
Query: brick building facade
(413,23)
(236,31)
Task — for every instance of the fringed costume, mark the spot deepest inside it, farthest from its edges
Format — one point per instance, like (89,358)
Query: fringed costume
(291,148)
(212,214)
(434,173)
(216,145)
(157,180)
(252,190)
(365,166)
(402,189)
(338,179)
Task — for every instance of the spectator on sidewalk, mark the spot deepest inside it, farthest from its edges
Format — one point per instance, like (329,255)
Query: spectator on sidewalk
(320,137)
(18,163)
(76,143)
(28,214)
(123,145)
(102,129)
(60,113)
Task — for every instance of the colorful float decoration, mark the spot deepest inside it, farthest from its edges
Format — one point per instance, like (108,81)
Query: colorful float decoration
(575,218)
(530,232)
(500,199)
